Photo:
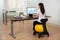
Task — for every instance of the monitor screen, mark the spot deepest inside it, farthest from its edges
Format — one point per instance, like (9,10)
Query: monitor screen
(31,10)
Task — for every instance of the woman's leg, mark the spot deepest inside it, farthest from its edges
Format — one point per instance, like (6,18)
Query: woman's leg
(44,26)
(34,23)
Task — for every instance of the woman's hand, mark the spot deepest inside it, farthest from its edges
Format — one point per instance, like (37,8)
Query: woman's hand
(35,15)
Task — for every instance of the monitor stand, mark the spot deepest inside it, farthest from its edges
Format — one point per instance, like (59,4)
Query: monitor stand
(31,15)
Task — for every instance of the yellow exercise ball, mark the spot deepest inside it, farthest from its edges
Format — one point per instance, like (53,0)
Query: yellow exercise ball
(39,28)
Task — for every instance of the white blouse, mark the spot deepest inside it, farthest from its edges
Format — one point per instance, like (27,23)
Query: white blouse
(41,16)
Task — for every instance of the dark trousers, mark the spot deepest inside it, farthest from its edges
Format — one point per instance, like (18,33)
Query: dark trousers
(34,23)
(43,23)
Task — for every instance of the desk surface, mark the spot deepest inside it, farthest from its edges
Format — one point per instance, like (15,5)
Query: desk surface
(18,18)
(21,18)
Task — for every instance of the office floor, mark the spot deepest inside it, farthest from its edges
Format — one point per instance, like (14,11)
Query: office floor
(25,32)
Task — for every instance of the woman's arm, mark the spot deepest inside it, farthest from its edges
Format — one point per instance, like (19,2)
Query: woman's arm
(44,14)
(36,15)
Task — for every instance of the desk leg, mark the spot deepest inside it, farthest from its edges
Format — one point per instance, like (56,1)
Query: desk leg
(12,34)
(23,23)
(6,17)
(3,18)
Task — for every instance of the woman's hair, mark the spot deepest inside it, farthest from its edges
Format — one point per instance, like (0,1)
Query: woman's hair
(42,8)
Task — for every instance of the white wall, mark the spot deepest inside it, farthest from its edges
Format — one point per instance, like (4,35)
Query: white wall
(6,4)
(1,8)
(1,4)
(33,3)
(17,5)
(12,4)
(53,9)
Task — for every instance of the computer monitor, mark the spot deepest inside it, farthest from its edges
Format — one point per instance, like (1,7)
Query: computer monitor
(31,10)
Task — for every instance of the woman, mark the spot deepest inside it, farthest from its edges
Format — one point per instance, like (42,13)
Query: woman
(41,19)
(40,14)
